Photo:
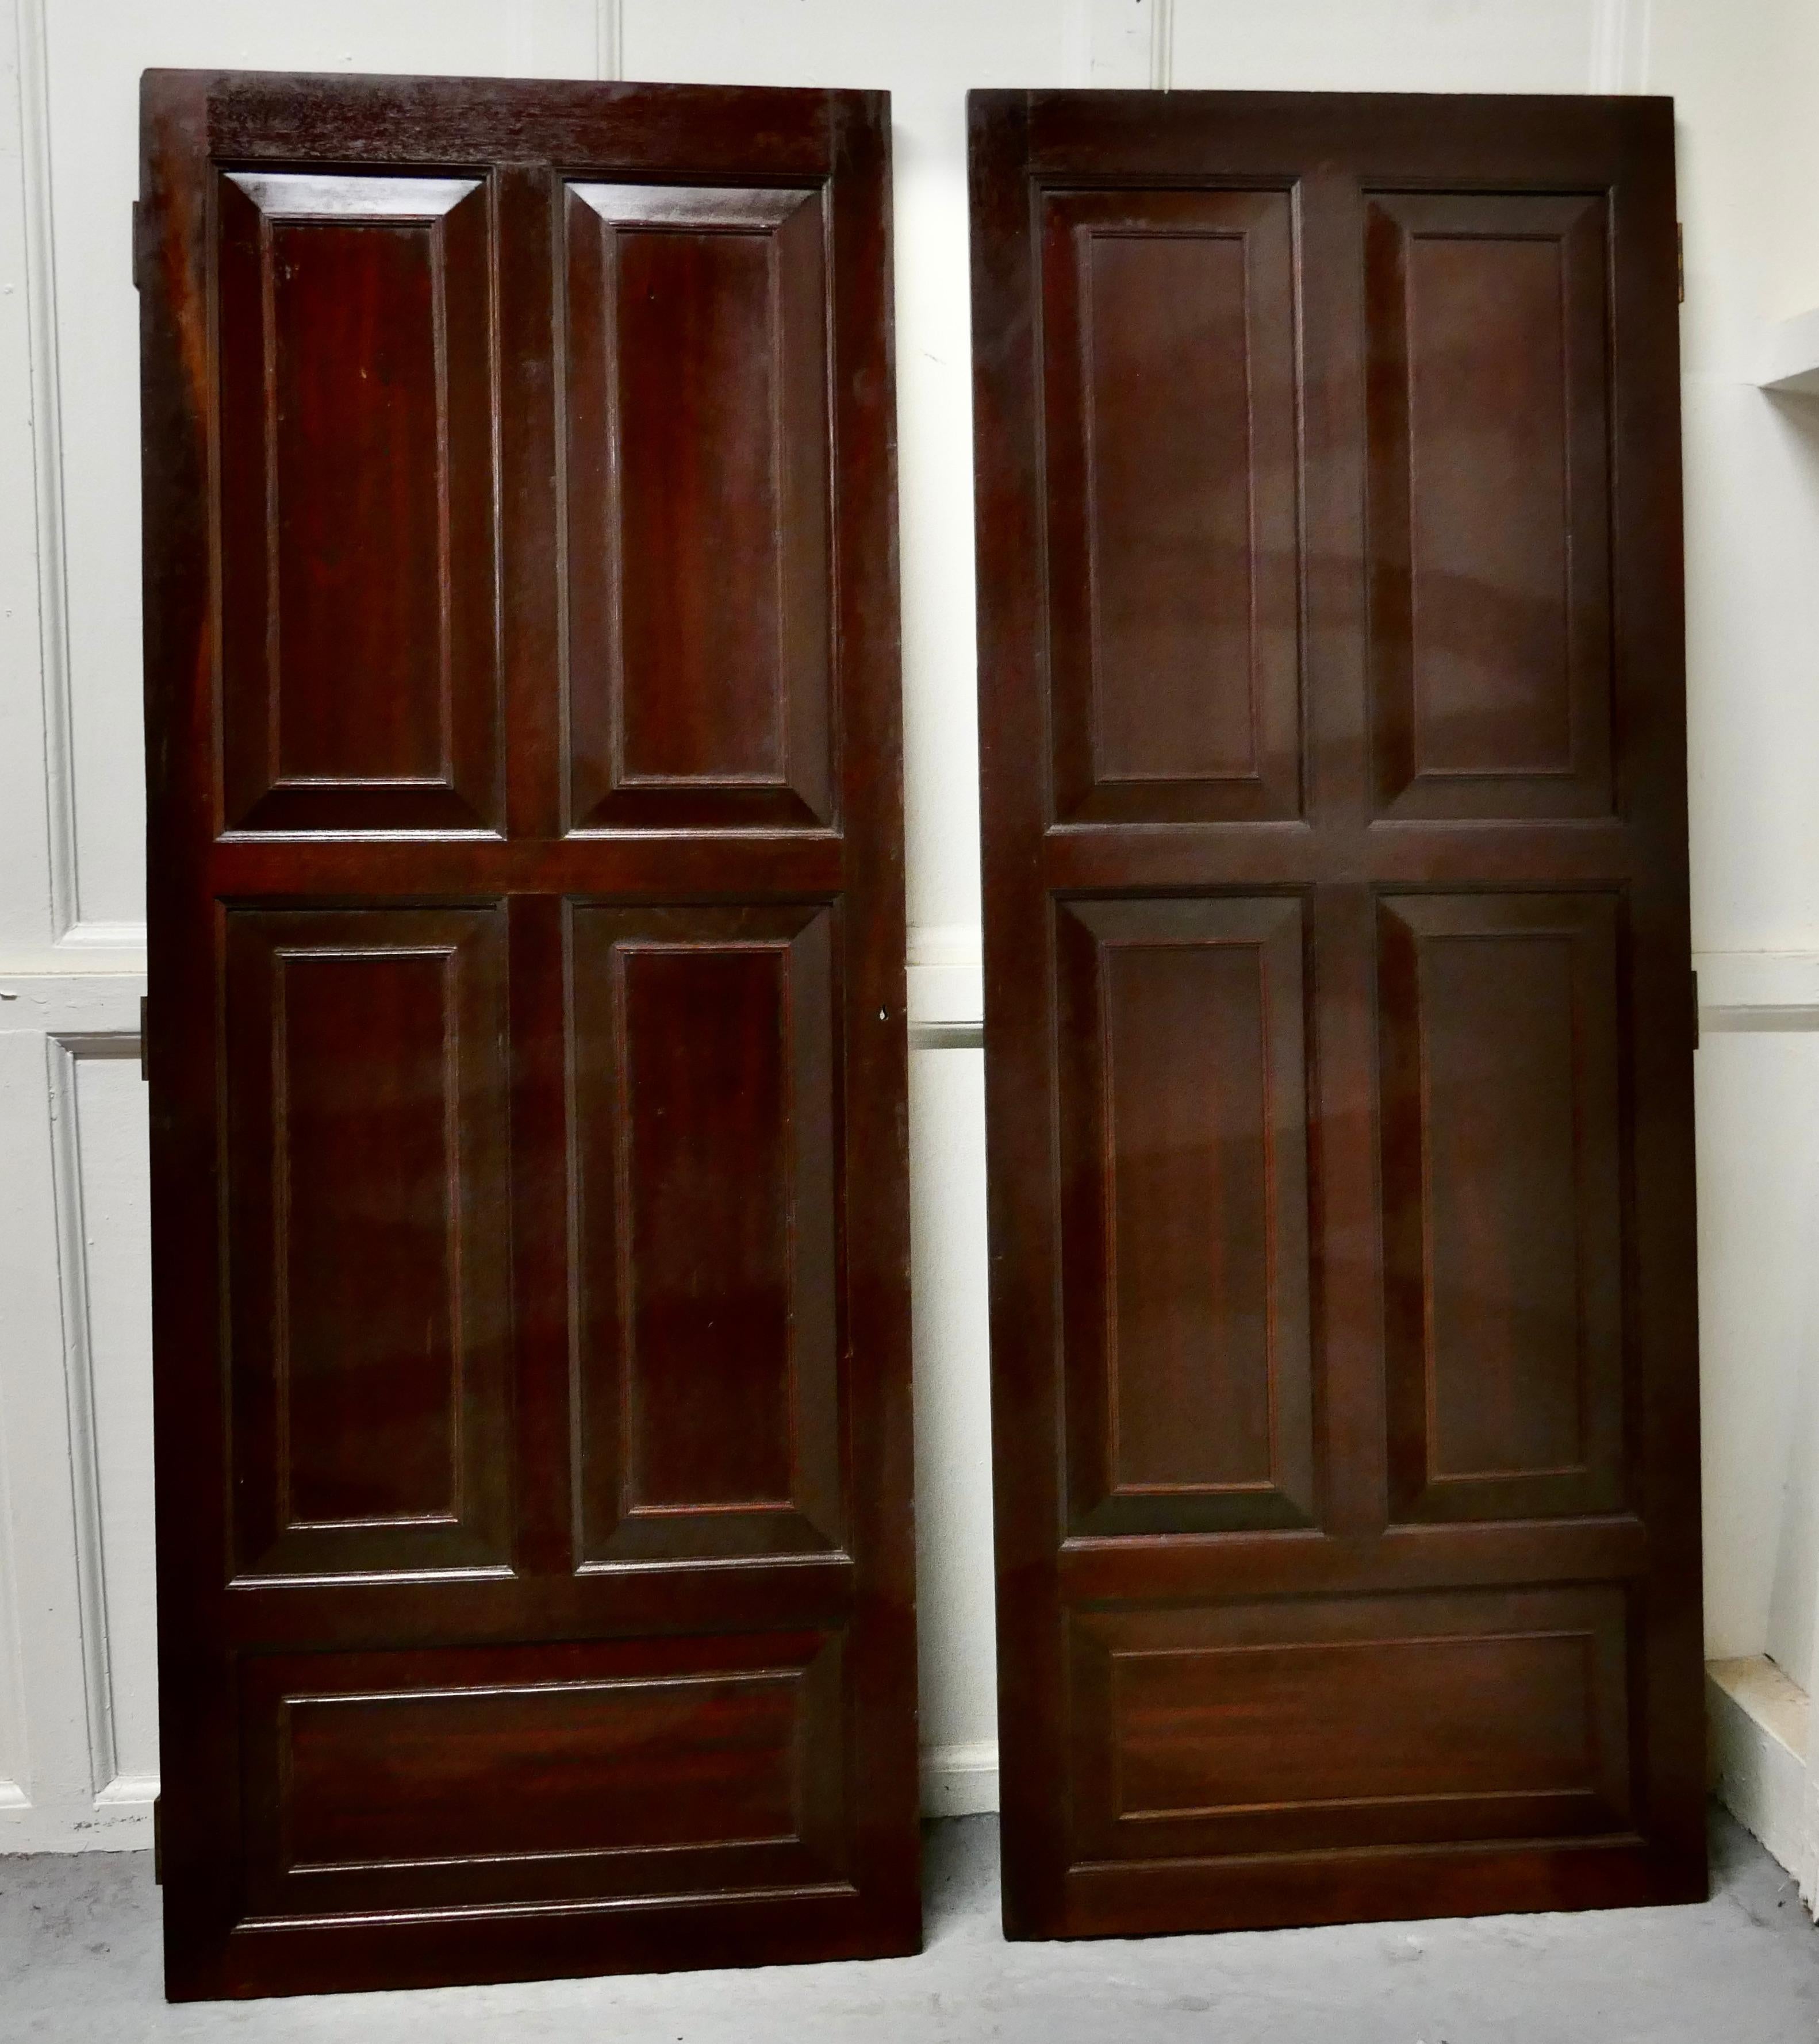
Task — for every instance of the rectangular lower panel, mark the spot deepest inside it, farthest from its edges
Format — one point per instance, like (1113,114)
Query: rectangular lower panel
(1423,1719)
(461,1776)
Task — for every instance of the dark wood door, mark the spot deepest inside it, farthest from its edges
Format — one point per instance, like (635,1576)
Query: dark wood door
(1338,1015)
(526,1031)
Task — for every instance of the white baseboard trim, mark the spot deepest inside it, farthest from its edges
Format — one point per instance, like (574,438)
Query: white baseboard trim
(129,1792)
(1751,991)
(959,1781)
(1758,1718)
(107,938)
(946,988)
(111,1823)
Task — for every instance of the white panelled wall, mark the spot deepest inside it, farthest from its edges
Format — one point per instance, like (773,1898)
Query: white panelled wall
(77,1743)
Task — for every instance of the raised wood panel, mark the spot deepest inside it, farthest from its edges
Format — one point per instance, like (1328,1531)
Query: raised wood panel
(1184,1224)
(1369,1721)
(1174,587)
(368,1262)
(703,1075)
(451,1776)
(695,410)
(360,684)
(1502,1204)
(1491,653)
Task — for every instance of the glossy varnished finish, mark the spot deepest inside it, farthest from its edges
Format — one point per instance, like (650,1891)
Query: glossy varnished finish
(526,1031)
(1337,1020)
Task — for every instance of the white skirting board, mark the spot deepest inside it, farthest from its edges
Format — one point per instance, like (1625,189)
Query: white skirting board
(959,1781)
(118,1819)
(1758,1720)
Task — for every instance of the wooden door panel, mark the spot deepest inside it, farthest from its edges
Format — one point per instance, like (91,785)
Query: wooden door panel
(705,1080)
(1489,514)
(526,1031)
(1185,1258)
(696,390)
(470,1776)
(361,689)
(1338,1066)
(1171,404)
(1504,1248)
(1247,1728)
(367,1267)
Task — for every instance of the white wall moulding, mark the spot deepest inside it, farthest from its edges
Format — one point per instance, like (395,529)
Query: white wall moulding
(78,1673)
(1620,45)
(947,999)
(1119,44)
(957,1637)
(1790,356)
(959,1781)
(78,1388)
(113,945)
(1746,990)
(25,916)
(76,1761)
(110,1823)
(1759,1725)
(1757,1094)
(98,1113)
(25,1412)
(70,1004)
(608,39)
(1162,45)
(46,413)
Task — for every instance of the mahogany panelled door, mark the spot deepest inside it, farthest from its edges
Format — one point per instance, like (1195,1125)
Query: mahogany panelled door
(1338,1014)
(527,1035)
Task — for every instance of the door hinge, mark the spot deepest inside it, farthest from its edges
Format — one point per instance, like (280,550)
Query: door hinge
(145,1059)
(1695,1011)
(158,1841)
(1680,258)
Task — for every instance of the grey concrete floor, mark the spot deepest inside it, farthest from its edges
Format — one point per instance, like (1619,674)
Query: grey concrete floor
(78,1961)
